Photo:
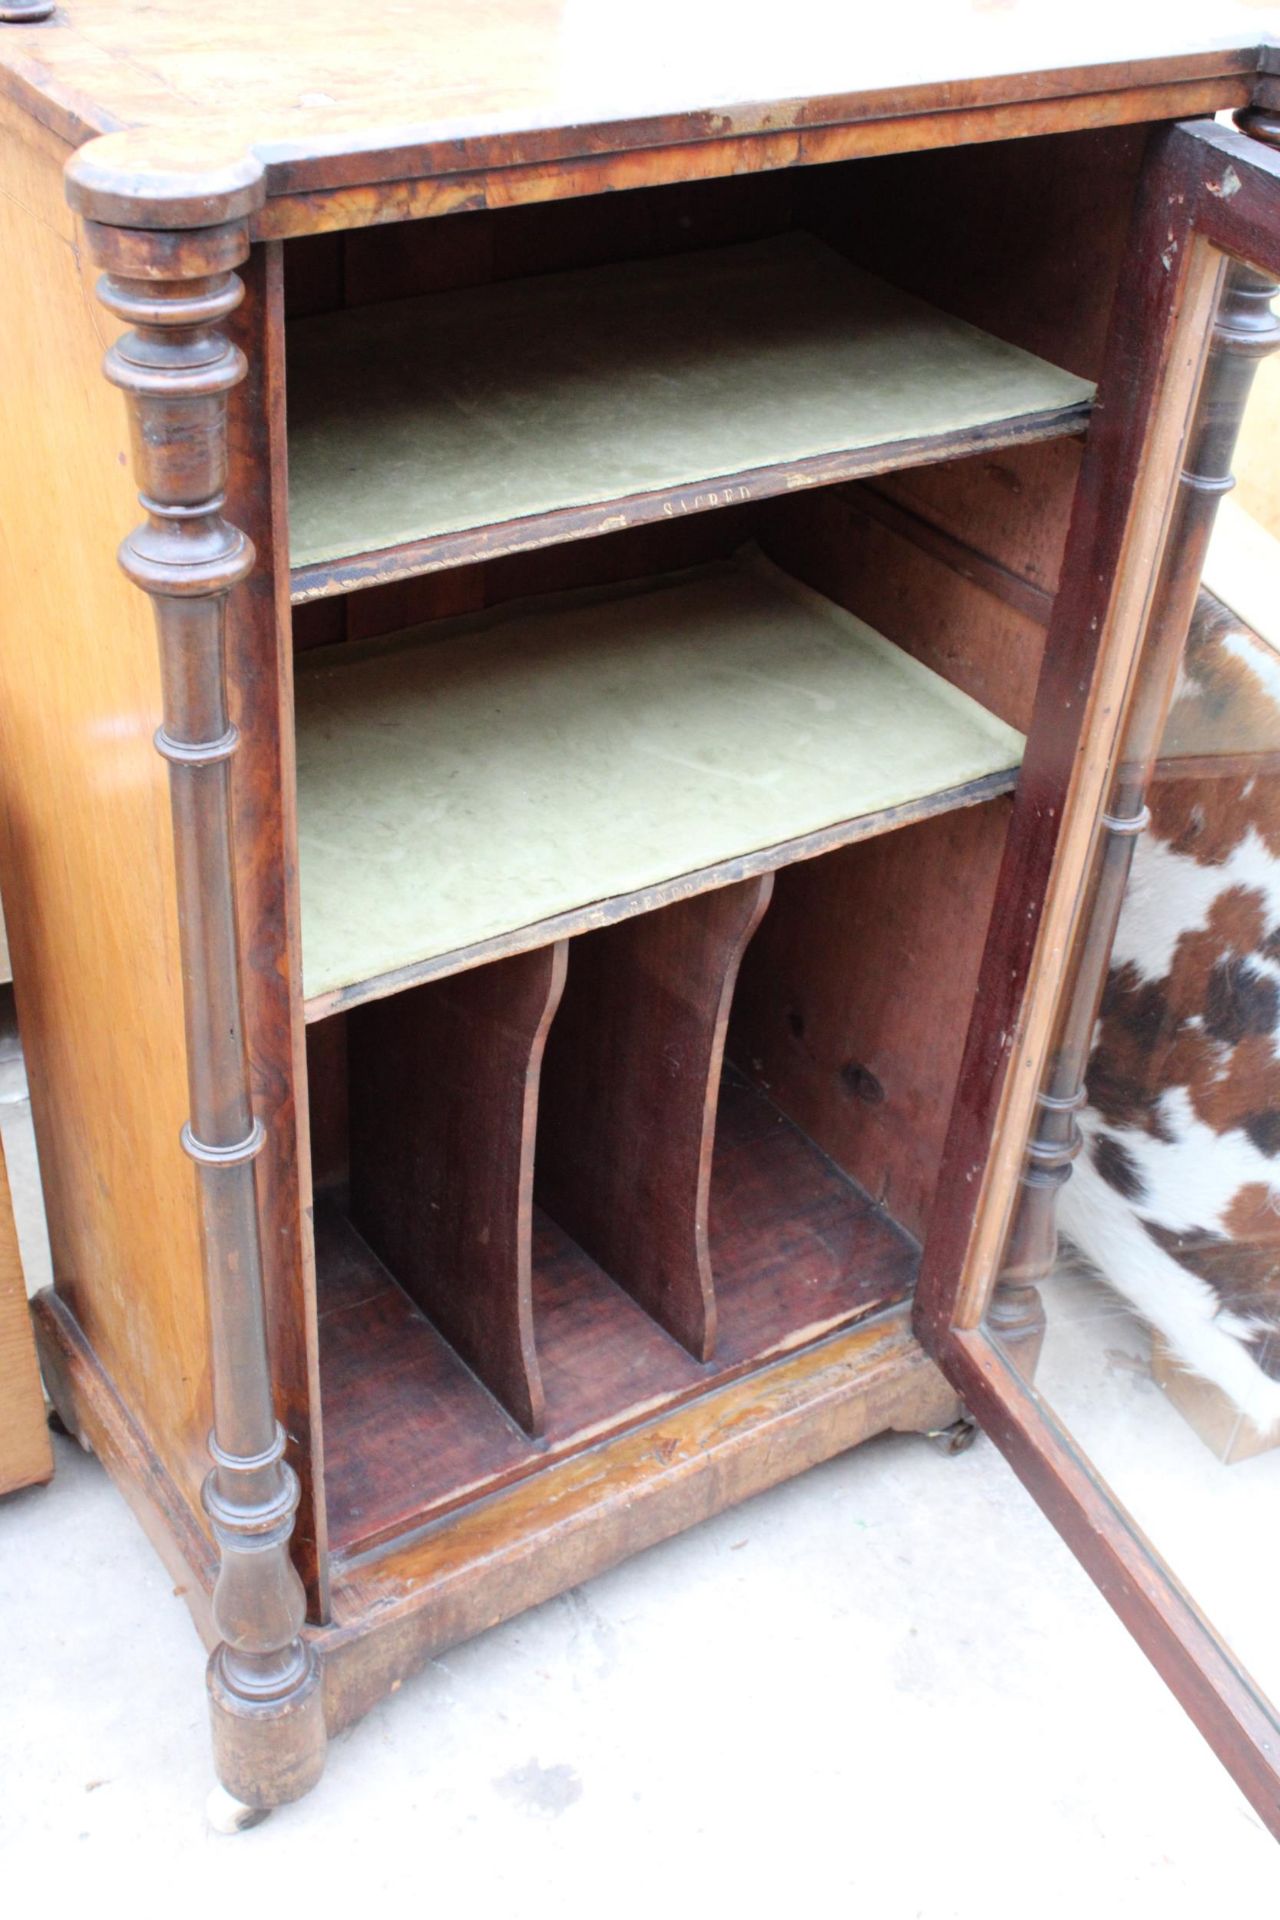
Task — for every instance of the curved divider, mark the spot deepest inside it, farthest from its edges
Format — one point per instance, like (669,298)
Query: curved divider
(443,1089)
(628,1102)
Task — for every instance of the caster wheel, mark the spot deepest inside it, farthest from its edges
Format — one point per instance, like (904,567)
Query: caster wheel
(957,1438)
(226,1814)
(56,1424)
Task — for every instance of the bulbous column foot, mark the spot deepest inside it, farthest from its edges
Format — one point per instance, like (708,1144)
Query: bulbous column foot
(269,1751)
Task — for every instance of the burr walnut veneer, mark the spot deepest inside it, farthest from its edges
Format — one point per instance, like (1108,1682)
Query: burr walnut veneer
(648,557)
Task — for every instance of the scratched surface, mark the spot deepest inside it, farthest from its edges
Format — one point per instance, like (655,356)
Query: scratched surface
(483,774)
(471,408)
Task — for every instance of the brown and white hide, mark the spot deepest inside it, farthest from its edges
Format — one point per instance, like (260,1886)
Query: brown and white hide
(1175,1197)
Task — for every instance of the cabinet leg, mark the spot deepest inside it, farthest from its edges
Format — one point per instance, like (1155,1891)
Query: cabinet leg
(266,1751)
(173,282)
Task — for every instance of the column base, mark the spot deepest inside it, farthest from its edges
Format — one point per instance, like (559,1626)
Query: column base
(267,1752)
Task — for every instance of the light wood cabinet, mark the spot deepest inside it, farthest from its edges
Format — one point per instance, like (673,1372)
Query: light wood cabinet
(645,591)
(26,1457)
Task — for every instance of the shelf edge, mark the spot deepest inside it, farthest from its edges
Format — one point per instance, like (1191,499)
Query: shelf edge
(434,553)
(603,913)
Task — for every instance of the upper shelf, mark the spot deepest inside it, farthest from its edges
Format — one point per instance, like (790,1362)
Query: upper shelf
(496,418)
(497,781)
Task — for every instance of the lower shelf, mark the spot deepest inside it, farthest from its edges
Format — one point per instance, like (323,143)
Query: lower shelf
(798,1251)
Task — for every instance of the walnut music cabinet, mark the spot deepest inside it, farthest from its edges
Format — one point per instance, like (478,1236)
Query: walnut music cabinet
(649,532)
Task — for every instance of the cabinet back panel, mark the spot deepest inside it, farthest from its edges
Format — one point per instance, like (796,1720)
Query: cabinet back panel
(665,547)
(1022,237)
(925,603)
(1011,506)
(331,270)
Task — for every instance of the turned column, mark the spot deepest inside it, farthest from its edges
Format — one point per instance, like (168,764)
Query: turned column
(169,241)
(1244,331)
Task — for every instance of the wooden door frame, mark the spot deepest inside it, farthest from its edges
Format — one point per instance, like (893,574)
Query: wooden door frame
(1208,194)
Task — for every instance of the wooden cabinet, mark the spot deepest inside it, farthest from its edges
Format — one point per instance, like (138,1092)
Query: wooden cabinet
(26,1458)
(645,590)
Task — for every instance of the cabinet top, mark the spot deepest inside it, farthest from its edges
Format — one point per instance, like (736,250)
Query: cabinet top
(325,96)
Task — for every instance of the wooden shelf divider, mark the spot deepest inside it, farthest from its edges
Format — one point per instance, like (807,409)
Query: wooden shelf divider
(799,1249)
(629,1093)
(443,1088)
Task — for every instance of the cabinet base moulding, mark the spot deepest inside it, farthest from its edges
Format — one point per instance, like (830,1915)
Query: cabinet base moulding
(397,1609)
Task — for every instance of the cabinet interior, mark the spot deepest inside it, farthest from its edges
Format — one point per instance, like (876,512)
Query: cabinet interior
(646,869)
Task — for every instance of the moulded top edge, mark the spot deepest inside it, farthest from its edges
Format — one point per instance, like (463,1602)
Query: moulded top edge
(352,96)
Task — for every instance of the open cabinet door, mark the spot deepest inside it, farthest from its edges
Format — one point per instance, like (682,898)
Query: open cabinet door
(1123,1163)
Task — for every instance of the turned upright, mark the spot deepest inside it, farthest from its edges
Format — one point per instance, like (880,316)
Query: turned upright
(1245,330)
(175,286)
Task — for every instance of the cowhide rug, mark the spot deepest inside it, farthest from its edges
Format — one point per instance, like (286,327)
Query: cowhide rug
(1175,1197)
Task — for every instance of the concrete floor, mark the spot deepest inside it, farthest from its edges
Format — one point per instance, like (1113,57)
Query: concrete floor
(886,1682)
(1214,1525)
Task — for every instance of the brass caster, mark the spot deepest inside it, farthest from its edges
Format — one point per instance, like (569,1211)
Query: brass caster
(226,1814)
(957,1438)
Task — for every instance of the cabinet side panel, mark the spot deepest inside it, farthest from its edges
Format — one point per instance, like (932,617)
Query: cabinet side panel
(856,993)
(86,857)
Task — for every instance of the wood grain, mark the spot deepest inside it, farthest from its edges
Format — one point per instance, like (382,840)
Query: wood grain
(429,430)
(948,619)
(264,823)
(26,1457)
(855,995)
(1026,240)
(550,1533)
(1013,507)
(444,1094)
(1122,509)
(797,1248)
(944,127)
(629,1091)
(444,89)
(1124,516)
(523,109)
(176,368)
(85,837)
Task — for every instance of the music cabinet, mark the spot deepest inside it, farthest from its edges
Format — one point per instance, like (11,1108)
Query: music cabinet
(643,585)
